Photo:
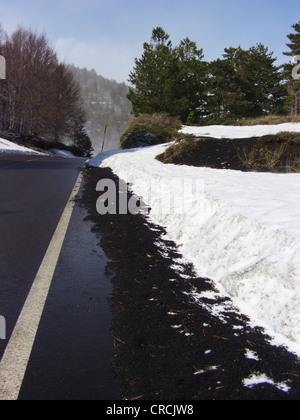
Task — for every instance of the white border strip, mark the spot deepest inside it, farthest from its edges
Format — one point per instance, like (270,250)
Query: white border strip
(16,356)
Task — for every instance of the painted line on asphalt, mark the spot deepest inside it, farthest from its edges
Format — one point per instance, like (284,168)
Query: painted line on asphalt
(16,356)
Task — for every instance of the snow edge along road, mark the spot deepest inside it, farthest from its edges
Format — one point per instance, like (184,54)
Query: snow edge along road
(247,241)
(16,356)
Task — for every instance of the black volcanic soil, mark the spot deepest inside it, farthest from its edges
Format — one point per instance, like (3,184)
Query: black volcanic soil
(271,153)
(167,346)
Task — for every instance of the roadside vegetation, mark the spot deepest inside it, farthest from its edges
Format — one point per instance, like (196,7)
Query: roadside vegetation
(268,120)
(39,98)
(273,153)
(243,84)
(150,129)
(40,144)
(244,87)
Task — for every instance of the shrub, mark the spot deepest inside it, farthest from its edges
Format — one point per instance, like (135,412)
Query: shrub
(150,129)
(160,120)
(272,153)
(262,157)
(180,152)
(143,136)
(271,119)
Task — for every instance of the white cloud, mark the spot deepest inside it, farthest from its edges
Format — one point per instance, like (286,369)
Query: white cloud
(108,60)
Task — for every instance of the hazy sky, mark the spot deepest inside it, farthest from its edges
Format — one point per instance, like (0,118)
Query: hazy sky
(107,35)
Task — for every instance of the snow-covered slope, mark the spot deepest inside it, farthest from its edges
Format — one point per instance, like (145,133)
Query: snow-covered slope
(242,230)
(230,132)
(7,147)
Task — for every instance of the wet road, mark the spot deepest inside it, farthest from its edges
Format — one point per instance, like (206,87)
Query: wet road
(72,350)
(134,317)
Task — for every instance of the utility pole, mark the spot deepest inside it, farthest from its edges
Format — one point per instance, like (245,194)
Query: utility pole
(104,136)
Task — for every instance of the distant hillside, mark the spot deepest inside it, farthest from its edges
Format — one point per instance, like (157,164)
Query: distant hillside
(103,98)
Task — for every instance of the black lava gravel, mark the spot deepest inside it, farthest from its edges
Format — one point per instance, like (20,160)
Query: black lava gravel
(168,346)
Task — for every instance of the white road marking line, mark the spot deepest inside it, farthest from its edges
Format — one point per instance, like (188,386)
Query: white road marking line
(16,356)
(37,158)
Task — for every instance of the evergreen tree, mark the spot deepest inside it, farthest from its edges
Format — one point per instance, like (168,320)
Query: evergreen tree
(191,82)
(168,79)
(227,91)
(151,75)
(293,86)
(264,80)
(246,83)
(294,45)
(82,141)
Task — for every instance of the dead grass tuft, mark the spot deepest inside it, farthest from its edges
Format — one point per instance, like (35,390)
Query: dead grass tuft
(160,120)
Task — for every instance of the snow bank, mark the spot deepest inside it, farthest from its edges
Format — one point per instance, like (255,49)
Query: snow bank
(63,153)
(9,147)
(229,132)
(242,230)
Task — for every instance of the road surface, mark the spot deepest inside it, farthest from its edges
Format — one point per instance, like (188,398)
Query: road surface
(72,326)
(69,354)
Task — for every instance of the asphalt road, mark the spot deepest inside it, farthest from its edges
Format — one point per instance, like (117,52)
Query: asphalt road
(73,347)
(86,342)
(33,194)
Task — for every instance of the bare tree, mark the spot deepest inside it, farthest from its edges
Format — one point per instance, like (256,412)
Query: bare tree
(3,83)
(41,96)
(66,97)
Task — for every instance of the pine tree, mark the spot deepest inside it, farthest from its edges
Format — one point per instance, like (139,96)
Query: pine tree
(82,141)
(191,81)
(293,86)
(264,78)
(151,75)
(227,97)
(294,45)
(166,79)
(246,83)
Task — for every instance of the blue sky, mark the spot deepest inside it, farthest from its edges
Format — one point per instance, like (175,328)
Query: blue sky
(107,35)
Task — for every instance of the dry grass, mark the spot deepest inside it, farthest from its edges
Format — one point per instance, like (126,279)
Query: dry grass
(269,120)
(181,150)
(160,120)
(262,158)
(293,165)
(273,153)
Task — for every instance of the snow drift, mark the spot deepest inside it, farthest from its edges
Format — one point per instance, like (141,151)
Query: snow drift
(8,147)
(242,230)
(230,132)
